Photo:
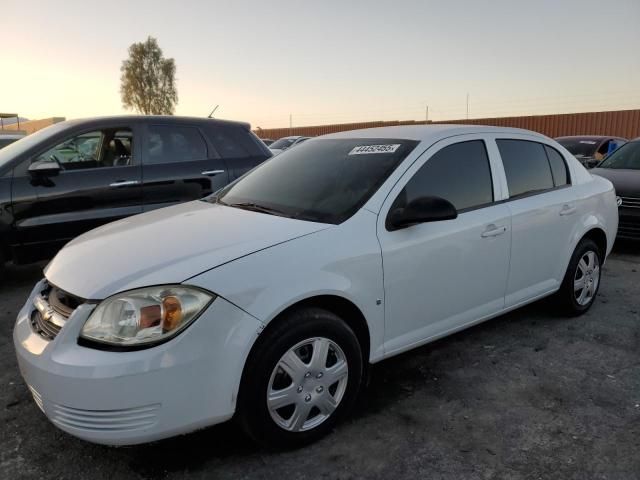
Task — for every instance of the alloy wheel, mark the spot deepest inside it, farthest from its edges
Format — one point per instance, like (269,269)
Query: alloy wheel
(586,278)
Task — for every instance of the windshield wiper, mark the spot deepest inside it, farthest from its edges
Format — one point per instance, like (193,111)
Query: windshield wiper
(254,207)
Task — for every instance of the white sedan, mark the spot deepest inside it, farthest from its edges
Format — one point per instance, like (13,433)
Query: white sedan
(269,300)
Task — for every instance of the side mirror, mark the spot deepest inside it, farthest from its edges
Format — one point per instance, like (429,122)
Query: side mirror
(421,210)
(43,168)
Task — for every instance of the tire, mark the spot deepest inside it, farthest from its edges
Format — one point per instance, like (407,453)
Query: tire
(585,265)
(312,395)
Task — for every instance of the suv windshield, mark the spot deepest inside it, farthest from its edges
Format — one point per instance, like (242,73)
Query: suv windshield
(324,180)
(626,157)
(283,143)
(580,147)
(18,147)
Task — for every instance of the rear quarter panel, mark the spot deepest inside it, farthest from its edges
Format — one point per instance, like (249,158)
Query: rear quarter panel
(596,207)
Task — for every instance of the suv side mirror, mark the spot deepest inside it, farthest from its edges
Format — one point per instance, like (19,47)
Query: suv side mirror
(44,168)
(421,210)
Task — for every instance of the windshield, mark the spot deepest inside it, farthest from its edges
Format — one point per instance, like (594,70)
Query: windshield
(580,147)
(283,143)
(626,157)
(18,147)
(324,180)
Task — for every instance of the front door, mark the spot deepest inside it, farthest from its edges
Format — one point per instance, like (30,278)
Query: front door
(98,181)
(441,276)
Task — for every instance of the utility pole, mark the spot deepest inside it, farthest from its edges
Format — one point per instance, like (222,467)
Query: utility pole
(426,115)
(467,106)
(290,124)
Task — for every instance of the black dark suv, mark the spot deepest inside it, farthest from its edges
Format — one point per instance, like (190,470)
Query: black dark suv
(76,175)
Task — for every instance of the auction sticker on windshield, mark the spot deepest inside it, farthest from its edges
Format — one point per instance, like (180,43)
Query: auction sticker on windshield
(367,149)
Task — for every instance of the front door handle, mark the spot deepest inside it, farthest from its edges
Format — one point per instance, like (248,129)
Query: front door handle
(211,173)
(493,231)
(567,209)
(124,183)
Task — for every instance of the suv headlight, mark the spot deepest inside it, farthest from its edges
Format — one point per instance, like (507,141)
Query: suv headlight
(145,316)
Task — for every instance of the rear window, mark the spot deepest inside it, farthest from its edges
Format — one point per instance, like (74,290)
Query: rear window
(6,141)
(322,180)
(234,142)
(283,143)
(526,166)
(580,147)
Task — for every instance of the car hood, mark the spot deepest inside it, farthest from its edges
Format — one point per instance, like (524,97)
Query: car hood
(166,246)
(625,181)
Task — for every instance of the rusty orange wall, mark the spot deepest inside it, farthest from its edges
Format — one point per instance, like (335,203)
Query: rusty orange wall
(622,123)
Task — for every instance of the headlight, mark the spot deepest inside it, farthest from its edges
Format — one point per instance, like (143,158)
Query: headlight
(145,316)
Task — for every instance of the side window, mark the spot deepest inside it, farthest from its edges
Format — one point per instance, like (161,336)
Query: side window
(118,148)
(233,142)
(459,173)
(79,152)
(172,144)
(526,166)
(558,167)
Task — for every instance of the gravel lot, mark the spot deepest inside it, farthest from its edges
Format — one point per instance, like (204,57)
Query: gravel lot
(527,395)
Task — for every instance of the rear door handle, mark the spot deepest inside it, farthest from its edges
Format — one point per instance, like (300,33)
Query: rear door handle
(567,209)
(493,231)
(211,173)
(124,183)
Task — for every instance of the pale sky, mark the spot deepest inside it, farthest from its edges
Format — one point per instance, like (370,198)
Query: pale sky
(327,61)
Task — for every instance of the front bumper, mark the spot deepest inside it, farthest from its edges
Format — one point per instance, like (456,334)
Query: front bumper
(125,398)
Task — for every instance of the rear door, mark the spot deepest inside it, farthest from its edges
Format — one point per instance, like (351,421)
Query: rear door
(543,217)
(98,182)
(179,165)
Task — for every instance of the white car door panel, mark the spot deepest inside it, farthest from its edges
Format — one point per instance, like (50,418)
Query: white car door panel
(542,226)
(544,215)
(440,276)
(443,275)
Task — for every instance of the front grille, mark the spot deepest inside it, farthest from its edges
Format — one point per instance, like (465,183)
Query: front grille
(52,309)
(630,202)
(45,328)
(629,229)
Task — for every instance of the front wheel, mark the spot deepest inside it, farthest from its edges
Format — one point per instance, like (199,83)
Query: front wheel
(582,279)
(301,378)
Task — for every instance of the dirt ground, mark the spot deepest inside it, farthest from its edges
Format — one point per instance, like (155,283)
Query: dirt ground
(529,395)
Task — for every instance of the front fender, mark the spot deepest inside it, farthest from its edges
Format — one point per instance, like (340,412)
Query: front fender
(344,261)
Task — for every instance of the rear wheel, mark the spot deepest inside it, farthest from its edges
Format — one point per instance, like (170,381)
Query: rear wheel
(582,279)
(300,380)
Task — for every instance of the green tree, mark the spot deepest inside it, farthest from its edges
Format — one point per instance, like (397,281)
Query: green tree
(148,83)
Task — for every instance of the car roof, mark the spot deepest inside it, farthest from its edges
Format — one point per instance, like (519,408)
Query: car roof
(166,119)
(11,135)
(587,137)
(427,132)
